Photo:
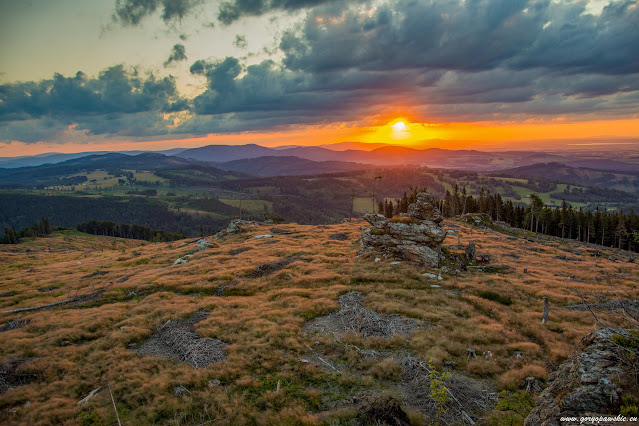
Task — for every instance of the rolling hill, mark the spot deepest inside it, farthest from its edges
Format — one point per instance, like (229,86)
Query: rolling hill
(289,165)
(626,178)
(49,174)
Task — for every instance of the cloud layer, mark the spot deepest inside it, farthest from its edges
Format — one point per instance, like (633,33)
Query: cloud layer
(118,101)
(441,60)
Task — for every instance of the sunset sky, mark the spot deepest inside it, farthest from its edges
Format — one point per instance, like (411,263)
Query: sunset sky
(85,75)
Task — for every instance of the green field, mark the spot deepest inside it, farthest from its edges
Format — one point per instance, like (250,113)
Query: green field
(253,206)
(363,205)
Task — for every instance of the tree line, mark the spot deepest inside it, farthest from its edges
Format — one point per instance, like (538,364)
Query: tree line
(20,209)
(599,226)
(38,229)
(130,231)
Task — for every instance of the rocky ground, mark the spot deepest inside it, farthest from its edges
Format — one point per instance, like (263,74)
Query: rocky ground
(306,331)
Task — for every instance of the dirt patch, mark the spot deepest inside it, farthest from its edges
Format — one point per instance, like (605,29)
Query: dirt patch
(95,274)
(222,288)
(340,236)
(240,250)
(631,306)
(177,339)
(280,231)
(353,317)
(50,288)
(13,325)
(271,267)
(383,411)
(77,299)
(12,373)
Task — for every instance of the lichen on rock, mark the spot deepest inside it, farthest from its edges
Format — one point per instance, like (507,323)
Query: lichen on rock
(586,384)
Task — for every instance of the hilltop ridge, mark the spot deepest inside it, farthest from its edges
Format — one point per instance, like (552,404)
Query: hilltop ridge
(274,369)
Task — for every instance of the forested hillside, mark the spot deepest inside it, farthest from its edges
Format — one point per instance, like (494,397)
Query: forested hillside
(20,210)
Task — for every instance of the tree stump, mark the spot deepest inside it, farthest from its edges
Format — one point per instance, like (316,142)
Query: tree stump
(544,318)
(471,252)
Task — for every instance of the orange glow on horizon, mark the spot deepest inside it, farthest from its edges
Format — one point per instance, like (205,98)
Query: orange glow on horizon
(528,135)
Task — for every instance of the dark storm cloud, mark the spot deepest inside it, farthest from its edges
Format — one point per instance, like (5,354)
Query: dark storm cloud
(441,60)
(472,60)
(178,53)
(116,101)
(470,36)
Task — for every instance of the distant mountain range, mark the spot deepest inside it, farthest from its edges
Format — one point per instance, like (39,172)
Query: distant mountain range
(344,157)
(56,157)
(383,156)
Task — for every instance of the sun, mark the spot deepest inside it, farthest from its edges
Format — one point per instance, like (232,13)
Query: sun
(399,126)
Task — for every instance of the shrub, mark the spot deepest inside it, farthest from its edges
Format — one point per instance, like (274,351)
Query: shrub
(387,369)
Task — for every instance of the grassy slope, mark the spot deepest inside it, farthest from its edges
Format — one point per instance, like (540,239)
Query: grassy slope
(262,318)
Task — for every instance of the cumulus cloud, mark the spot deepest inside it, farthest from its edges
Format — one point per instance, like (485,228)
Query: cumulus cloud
(468,36)
(231,11)
(471,60)
(442,60)
(118,101)
(178,53)
(132,12)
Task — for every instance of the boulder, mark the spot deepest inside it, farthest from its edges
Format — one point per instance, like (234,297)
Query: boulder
(586,384)
(415,238)
(202,244)
(236,226)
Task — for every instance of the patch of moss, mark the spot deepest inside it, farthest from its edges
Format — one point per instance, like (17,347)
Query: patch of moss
(626,342)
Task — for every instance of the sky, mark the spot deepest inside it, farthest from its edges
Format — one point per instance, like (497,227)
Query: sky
(86,75)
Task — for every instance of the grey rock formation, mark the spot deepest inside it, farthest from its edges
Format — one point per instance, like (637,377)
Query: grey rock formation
(202,244)
(236,226)
(585,384)
(415,238)
(425,208)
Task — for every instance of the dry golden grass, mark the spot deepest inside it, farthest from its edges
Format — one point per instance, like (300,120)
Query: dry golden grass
(79,347)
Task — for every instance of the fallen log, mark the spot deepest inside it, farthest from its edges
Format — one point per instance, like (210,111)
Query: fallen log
(81,298)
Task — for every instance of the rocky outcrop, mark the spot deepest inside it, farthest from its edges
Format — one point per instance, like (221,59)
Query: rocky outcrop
(417,237)
(237,226)
(586,384)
